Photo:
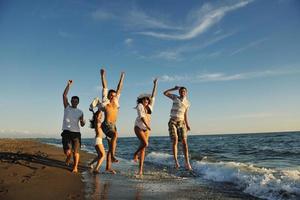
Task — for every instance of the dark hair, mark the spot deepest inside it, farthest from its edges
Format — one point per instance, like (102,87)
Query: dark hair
(182,88)
(140,100)
(111,91)
(93,121)
(75,97)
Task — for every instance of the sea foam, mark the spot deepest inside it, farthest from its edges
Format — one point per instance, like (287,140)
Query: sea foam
(278,184)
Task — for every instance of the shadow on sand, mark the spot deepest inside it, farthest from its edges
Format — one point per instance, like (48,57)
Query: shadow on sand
(25,159)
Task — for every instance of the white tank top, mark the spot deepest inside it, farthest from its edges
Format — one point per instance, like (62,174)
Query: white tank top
(71,119)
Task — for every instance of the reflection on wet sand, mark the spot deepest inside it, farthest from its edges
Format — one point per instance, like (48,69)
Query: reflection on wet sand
(95,187)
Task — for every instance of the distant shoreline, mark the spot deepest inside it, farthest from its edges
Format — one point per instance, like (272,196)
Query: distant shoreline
(154,135)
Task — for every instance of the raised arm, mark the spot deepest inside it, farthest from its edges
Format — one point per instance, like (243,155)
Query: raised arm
(154,88)
(120,84)
(65,94)
(103,78)
(167,92)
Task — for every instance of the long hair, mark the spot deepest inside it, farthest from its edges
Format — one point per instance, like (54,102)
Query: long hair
(140,101)
(94,119)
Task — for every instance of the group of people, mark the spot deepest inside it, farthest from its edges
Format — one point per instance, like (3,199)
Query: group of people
(109,107)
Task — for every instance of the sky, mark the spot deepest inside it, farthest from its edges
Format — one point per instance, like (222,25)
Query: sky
(240,61)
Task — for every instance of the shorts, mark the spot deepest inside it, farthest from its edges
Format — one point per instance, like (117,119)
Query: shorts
(109,129)
(71,140)
(177,129)
(98,140)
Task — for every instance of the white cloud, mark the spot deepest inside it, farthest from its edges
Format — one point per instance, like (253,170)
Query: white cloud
(141,20)
(212,77)
(128,41)
(252,115)
(248,46)
(102,15)
(206,18)
(177,53)
(65,34)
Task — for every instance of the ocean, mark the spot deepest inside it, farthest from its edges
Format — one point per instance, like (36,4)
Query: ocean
(263,165)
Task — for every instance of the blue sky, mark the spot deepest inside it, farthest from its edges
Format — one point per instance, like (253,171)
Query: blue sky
(239,60)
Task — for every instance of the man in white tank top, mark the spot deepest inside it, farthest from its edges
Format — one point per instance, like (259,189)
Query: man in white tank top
(71,136)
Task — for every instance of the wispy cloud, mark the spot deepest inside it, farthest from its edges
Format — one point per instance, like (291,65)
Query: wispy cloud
(177,53)
(65,34)
(248,46)
(141,20)
(128,41)
(206,17)
(103,15)
(252,115)
(212,77)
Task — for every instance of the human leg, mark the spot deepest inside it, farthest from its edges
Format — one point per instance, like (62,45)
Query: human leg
(143,137)
(66,142)
(138,135)
(108,159)
(174,138)
(114,146)
(182,133)
(76,156)
(101,154)
(186,154)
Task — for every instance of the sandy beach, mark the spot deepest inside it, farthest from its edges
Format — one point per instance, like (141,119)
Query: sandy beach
(32,170)
(35,170)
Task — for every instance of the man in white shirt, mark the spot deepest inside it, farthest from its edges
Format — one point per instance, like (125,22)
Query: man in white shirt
(71,136)
(178,123)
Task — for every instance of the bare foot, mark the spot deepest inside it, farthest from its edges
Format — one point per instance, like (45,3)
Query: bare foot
(111,171)
(176,165)
(114,160)
(139,175)
(68,160)
(96,171)
(75,170)
(135,158)
(188,167)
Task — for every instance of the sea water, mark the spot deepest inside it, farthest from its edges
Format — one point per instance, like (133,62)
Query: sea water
(264,165)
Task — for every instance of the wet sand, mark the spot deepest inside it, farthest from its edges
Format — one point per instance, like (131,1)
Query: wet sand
(33,170)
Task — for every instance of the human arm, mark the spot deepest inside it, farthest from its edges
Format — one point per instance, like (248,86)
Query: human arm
(103,78)
(144,121)
(82,121)
(154,88)
(120,84)
(65,94)
(142,115)
(186,120)
(168,94)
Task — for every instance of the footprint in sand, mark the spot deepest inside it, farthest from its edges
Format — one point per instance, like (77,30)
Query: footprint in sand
(3,191)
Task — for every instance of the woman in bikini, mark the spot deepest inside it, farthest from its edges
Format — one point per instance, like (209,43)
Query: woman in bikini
(142,128)
(95,123)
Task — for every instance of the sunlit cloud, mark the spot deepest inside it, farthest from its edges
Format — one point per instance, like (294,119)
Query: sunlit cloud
(206,17)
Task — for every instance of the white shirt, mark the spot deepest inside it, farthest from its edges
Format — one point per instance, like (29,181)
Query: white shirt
(71,119)
(179,107)
(106,101)
(141,112)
